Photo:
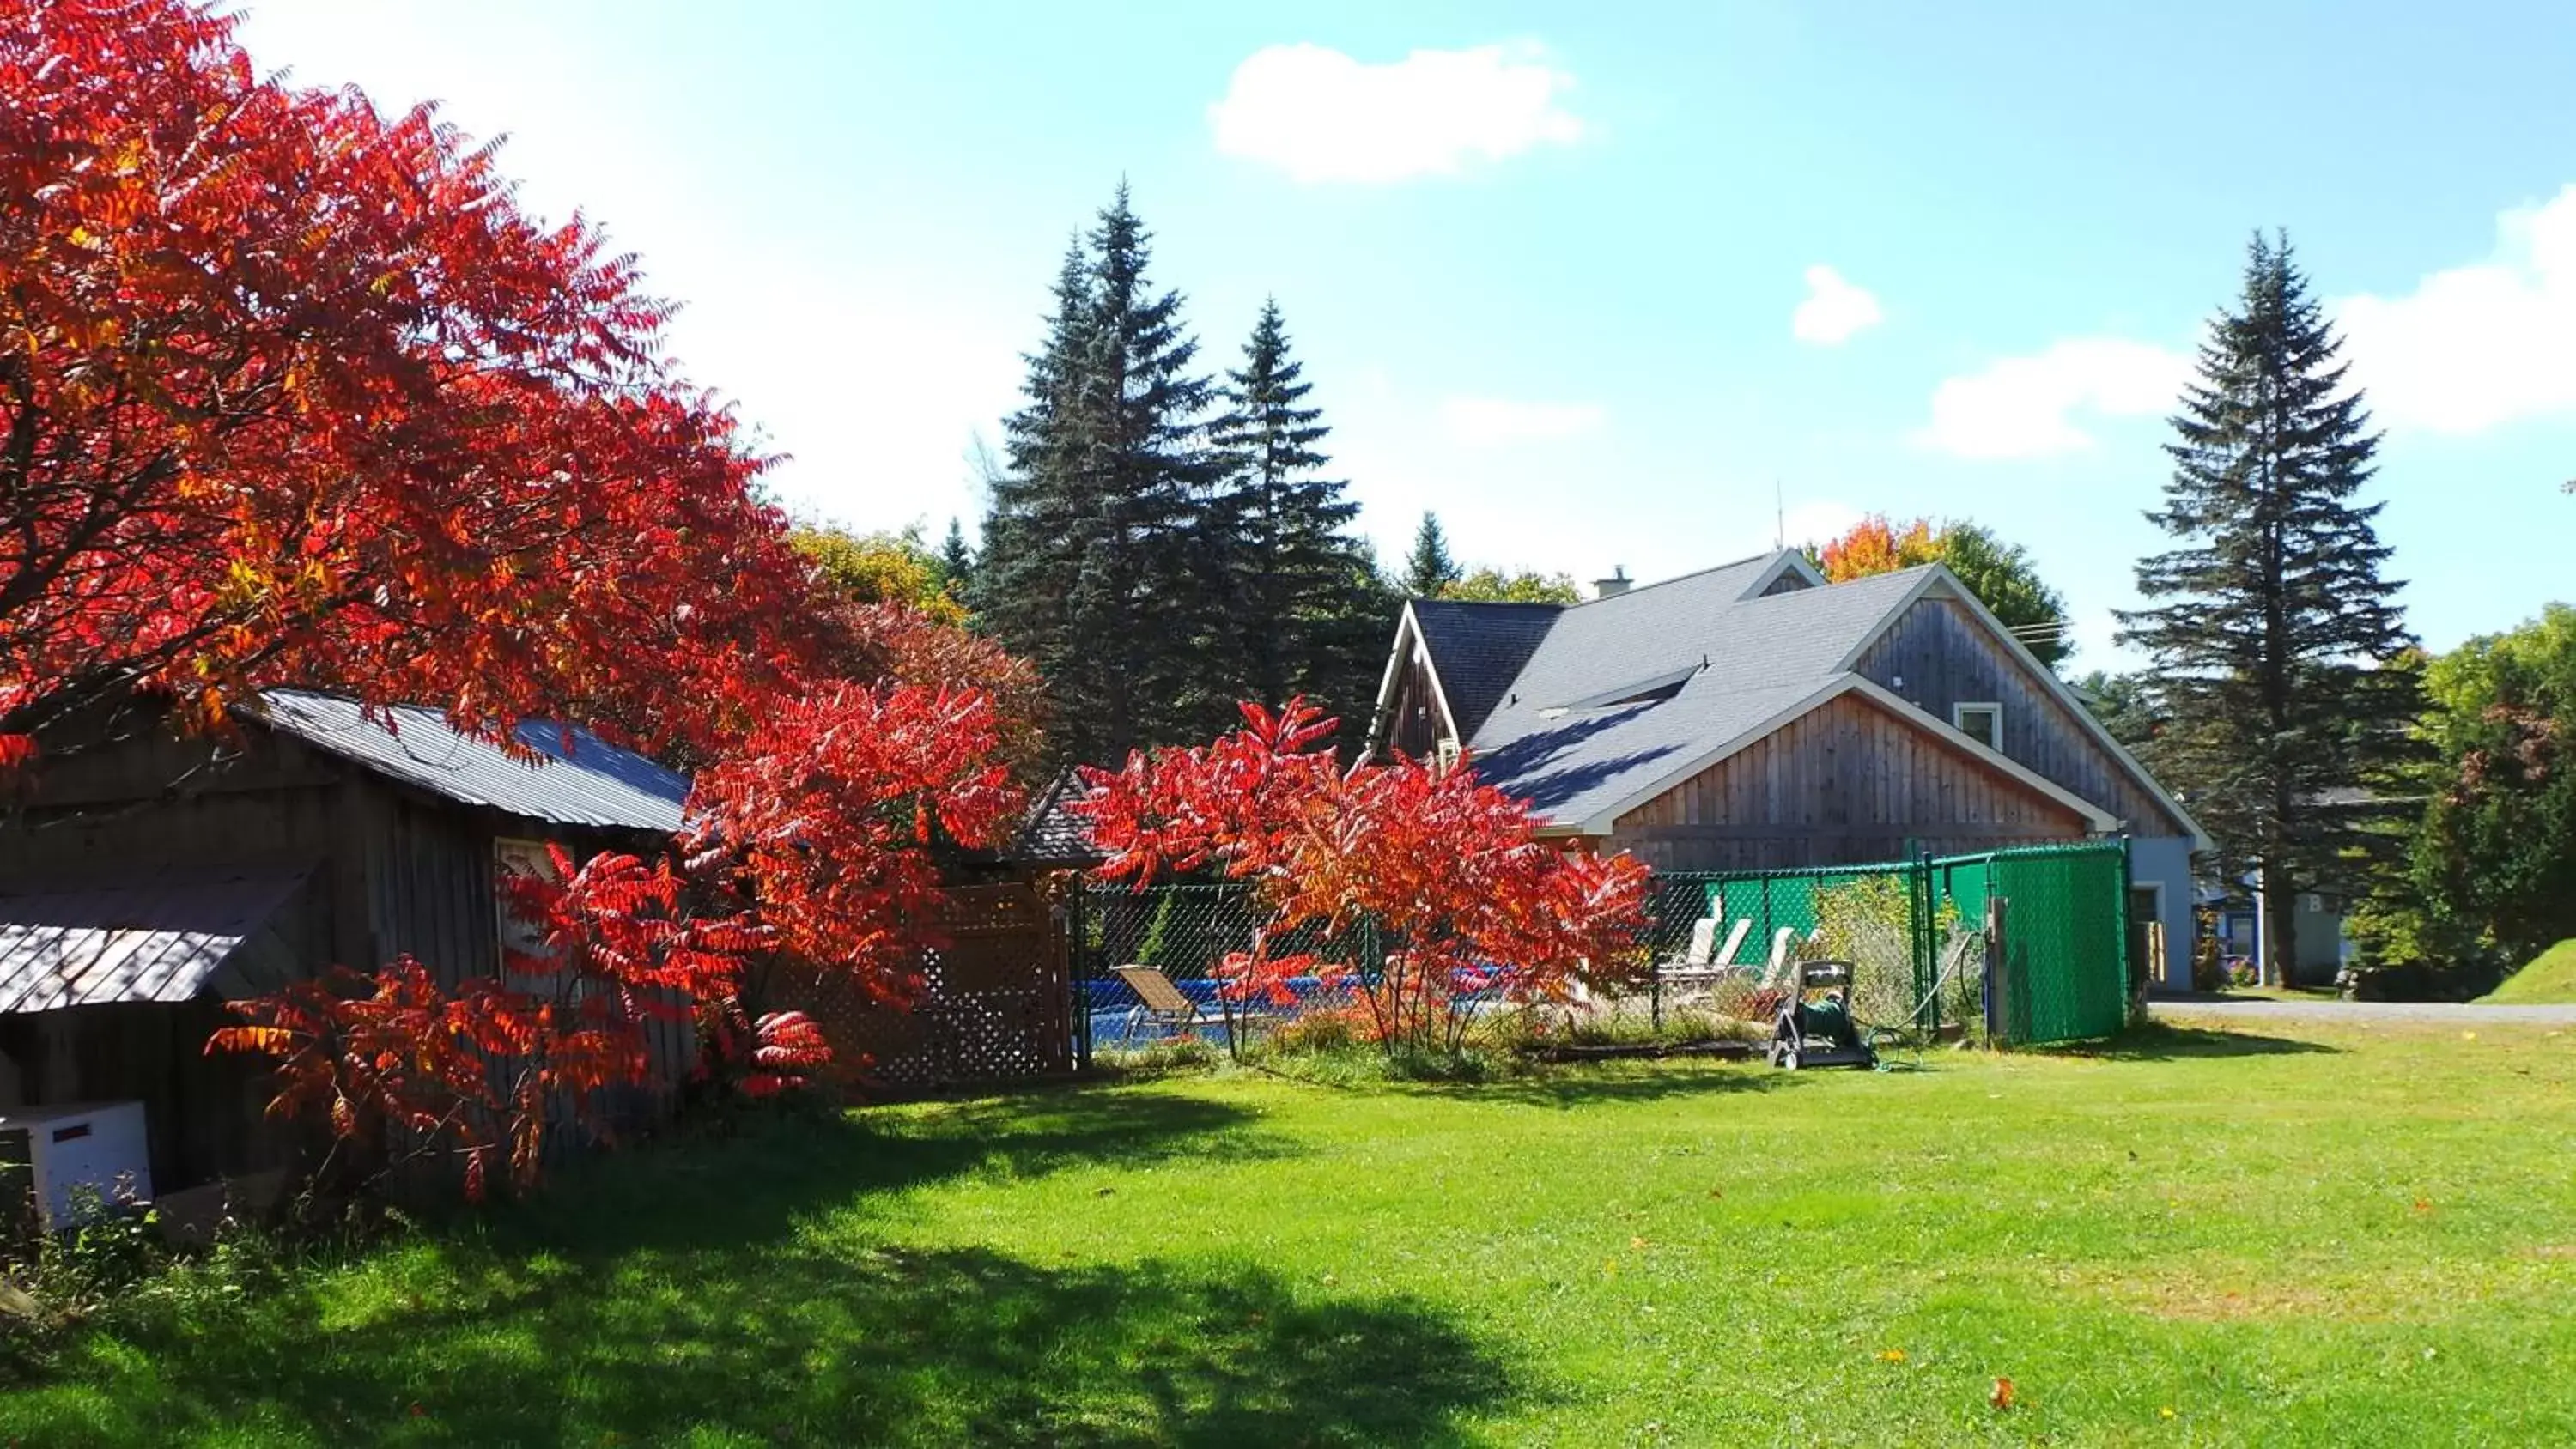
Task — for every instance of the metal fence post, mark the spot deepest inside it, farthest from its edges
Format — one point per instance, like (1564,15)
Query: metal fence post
(2131,984)
(1077,951)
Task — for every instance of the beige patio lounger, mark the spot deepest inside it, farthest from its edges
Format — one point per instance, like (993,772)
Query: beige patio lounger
(1162,1003)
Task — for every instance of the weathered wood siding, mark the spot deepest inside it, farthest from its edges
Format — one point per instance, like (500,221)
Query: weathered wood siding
(1846,783)
(429,877)
(1415,726)
(391,871)
(262,804)
(1945,658)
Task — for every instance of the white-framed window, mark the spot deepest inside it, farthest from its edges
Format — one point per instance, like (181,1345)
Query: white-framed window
(1983,720)
(513,856)
(1446,753)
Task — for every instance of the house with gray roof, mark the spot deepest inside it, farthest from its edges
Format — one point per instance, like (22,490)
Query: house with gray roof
(1753,716)
(147,877)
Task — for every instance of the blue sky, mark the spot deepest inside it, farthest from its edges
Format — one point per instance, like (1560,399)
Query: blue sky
(1555,270)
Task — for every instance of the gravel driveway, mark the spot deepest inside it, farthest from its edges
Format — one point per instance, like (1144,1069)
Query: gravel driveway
(2439,1013)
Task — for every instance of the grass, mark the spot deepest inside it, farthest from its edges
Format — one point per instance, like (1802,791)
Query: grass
(2549,980)
(2332,1235)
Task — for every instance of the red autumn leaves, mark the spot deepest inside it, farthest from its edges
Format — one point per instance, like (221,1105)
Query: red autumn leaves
(809,840)
(1474,907)
(294,393)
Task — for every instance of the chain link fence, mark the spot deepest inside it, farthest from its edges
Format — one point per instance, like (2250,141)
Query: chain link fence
(2024,946)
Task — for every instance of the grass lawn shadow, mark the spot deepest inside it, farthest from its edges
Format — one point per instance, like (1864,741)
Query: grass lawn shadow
(2164,1042)
(1587,1084)
(774,1169)
(883,1346)
(737,1290)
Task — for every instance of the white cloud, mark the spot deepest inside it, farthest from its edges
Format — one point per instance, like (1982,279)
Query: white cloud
(1481,422)
(2479,345)
(2023,407)
(1834,311)
(1319,115)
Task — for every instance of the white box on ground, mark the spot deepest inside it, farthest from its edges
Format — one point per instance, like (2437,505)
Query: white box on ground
(101,1144)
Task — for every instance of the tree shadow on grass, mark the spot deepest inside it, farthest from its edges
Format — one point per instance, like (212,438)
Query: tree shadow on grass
(2163,1042)
(742,1292)
(882,1346)
(768,1170)
(1573,1085)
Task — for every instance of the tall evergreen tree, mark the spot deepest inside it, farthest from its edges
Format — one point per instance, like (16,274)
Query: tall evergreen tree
(1096,561)
(2271,622)
(1298,596)
(1429,568)
(956,562)
(1042,512)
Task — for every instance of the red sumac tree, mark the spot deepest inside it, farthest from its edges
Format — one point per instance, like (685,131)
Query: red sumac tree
(1471,905)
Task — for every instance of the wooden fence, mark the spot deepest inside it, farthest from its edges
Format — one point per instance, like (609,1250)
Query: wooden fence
(998,1007)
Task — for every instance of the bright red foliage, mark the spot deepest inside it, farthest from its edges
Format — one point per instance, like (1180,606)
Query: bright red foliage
(1473,905)
(293,392)
(810,839)
(824,817)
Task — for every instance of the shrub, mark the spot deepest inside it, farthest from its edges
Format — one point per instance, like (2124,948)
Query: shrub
(1869,921)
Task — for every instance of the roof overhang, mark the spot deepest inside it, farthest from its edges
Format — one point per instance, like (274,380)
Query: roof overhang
(1939,582)
(1604,821)
(150,937)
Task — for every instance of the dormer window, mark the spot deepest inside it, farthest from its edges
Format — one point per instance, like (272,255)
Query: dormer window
(1982,722)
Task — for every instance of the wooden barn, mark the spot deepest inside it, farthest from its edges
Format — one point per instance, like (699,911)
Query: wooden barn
(1754,716)
(145,882)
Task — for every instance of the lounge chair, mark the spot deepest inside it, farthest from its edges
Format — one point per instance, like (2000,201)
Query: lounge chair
(1705,964)
(1161,1003)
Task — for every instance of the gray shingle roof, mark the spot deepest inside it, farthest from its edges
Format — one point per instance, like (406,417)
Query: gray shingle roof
(145,938)
(1566,733)
(593,783)
(1480,647)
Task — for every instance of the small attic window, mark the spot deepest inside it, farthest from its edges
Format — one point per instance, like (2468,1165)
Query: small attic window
(1983,722)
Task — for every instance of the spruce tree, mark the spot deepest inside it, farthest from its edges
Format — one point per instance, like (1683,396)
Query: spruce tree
(956,563)
(2271,624)
(1042,511)
(1096,562)
(1429,569)
(1297,600)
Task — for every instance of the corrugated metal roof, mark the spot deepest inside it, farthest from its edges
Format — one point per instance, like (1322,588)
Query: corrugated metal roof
(161,938)
(593,783)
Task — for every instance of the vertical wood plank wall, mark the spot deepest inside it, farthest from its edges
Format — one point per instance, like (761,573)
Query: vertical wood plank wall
(1847,783)
(392,872)
(1415,728)
(1946,658)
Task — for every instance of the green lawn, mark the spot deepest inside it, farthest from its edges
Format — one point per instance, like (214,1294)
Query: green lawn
(2351,1236)
(2550,980)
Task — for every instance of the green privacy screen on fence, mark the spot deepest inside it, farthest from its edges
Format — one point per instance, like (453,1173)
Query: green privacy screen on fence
(2032,941)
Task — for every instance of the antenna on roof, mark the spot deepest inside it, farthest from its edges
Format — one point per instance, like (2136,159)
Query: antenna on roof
(1780,507)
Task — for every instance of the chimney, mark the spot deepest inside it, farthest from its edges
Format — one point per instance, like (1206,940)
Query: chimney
(1611,587)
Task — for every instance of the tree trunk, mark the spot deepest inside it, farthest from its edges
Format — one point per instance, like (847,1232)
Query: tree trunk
(2280,924)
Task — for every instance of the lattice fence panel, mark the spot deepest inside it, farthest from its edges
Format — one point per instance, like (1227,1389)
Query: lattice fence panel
(996,1006)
